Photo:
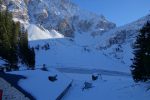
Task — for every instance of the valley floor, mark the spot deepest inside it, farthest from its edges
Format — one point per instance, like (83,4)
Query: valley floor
(107,88)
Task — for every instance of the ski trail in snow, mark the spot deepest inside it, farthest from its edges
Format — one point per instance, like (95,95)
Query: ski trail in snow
(91,71)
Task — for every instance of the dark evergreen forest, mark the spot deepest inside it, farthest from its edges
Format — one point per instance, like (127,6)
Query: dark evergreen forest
(14,47)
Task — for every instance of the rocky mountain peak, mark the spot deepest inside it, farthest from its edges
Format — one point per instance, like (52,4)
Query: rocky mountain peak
(61,15)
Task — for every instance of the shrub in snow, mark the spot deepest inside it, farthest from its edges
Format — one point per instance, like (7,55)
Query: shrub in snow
(1,69)
(52,78)
(37,47)
(44,68)
(87,85)
(96,76)
(86,48)
(45,47)
(8,69)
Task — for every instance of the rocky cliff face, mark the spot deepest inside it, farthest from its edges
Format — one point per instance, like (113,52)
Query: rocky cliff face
(65,17)
(18,9)
(61,15)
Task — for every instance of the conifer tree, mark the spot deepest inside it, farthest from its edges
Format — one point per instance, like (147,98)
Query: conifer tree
(14,43)
(0,1)
(27,54)
(141,62)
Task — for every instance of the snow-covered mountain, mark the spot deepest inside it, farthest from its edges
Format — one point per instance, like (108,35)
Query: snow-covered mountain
(69,36)
(118,42)
(61,15)
(73,44)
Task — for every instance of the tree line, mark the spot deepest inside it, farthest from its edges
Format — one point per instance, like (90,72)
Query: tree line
(14,47)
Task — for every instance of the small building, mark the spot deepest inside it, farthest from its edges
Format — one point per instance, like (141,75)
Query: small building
(9,89)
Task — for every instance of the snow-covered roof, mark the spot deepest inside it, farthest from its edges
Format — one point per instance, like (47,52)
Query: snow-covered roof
(37,84)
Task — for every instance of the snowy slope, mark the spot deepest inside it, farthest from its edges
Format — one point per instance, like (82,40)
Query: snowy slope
(38,33)
(118,43)
(65,52)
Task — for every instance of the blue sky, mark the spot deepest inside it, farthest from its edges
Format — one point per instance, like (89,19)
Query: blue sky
(118,11)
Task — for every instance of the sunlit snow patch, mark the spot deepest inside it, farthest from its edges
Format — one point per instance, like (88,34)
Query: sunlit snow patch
(39,33)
